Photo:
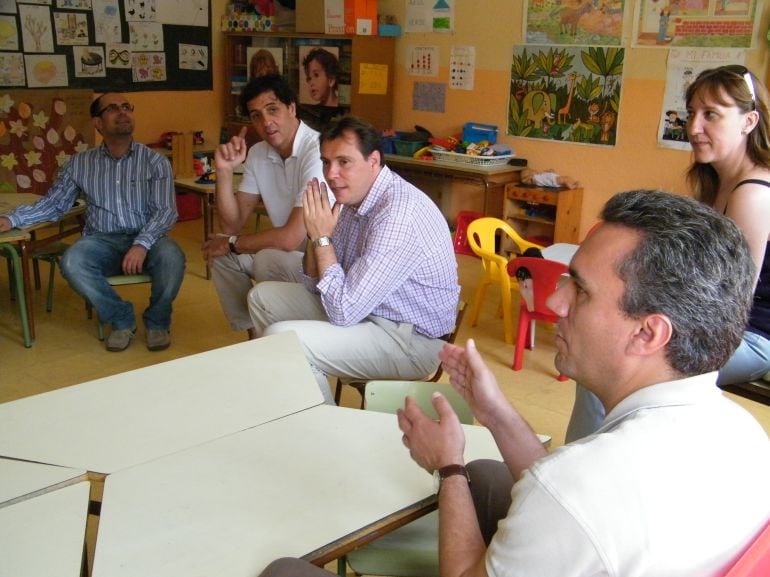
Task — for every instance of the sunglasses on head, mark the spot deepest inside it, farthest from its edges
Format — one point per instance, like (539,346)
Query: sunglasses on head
(743,72)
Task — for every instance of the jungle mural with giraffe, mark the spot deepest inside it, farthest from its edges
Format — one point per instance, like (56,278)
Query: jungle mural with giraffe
(567,94)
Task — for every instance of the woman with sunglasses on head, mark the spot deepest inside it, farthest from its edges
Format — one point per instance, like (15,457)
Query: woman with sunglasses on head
(728,126)
(729,130)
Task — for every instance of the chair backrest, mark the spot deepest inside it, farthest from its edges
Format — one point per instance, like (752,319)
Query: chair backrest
(545,278)
(755,561)
(464,218)
(483,232)
(388,396)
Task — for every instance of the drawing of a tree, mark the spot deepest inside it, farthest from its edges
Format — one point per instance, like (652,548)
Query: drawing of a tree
(36,28)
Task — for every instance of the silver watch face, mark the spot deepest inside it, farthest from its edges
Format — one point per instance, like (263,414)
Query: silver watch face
(323,241)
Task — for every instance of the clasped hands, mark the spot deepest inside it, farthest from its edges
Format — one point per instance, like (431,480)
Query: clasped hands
(320,218)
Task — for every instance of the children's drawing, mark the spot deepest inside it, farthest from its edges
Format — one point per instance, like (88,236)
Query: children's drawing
(566,94)
(107,25)
(193,57)
(9,37)
(574,22)
(149,66)
(46,70)
(36,28)
(696,23)
(12,69)
(89,61)
(118,56)
(71,28)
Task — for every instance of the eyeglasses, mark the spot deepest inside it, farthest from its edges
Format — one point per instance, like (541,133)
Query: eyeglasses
(112,108)
(743,72)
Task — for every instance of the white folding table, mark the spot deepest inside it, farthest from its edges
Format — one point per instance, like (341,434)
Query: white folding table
(115,422)
(311,484)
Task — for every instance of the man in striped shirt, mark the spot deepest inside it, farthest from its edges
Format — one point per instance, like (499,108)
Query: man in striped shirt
(380,277)
(130,208)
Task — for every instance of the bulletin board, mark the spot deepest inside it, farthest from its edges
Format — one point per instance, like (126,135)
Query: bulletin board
(106,45)
(39,131)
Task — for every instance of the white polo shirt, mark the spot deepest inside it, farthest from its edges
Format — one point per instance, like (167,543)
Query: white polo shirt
(281,183)
(675,483)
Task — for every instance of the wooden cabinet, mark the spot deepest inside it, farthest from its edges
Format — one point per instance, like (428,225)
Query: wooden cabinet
(365,82)
(543,215)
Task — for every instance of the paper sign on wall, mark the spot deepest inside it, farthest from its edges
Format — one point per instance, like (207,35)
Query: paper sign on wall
(373,79)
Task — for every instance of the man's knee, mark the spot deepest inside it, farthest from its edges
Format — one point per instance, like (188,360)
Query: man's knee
(491,484)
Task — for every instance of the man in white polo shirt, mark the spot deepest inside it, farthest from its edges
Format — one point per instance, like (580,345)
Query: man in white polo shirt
(277,169)
(675,481)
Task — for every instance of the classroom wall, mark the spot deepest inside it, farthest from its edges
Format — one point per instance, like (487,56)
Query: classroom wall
(493,27)
(181,111)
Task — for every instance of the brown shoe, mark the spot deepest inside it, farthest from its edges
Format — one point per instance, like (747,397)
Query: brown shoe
(158,339)
(120,339)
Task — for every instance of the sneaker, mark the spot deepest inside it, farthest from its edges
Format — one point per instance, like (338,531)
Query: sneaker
(120,339)
(158,339)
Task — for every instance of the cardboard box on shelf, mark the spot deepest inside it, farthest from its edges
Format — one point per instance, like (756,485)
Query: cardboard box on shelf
(361,17)
(335,16)
(309,16)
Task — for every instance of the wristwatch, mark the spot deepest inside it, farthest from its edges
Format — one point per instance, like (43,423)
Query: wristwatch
(444,472)
(322,241)
(232,239)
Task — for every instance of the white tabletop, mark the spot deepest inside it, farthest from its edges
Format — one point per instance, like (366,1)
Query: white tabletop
(288,487)
(560,252)
(22,479)
(119,421)
(45,535)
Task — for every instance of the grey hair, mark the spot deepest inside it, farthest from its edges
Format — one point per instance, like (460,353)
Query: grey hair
(692,265)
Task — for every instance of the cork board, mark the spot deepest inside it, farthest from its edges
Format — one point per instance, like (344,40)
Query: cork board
(39,131)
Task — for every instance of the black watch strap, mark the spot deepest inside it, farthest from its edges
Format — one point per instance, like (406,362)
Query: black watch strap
(450,471)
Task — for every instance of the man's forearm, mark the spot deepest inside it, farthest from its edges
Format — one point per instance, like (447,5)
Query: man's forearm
(518,443)
(461,546)
(227,206)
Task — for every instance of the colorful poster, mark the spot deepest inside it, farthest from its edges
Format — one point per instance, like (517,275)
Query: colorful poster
(574,22)
(695,23)
(566,94)
(430,16)
(684,65)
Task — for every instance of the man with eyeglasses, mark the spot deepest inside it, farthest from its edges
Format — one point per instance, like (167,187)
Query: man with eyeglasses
(130,208)
(277,169)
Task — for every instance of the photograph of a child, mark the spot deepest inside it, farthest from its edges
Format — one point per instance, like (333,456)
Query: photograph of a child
(319,75)
(262,61)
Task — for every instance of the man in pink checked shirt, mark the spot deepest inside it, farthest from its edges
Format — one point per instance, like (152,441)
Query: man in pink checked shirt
(380,289)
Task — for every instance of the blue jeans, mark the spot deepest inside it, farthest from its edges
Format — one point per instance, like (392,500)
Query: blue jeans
(87,264)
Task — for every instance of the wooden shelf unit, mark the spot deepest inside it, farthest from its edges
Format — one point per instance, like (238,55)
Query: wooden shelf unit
(543,215)
(353,52)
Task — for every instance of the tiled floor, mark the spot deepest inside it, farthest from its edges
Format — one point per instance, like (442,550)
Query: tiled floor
(67,351)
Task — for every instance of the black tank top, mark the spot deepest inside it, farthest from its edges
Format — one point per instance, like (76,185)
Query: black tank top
(759,318)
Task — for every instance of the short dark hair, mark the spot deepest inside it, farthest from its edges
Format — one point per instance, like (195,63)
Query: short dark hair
(692,265)
(367,137)
(326,59)
(96,106)
(274,83)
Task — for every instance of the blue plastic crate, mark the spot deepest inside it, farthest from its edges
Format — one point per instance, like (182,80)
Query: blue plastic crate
(477,132)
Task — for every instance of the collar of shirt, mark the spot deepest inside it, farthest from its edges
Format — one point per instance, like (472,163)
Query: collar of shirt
(378,189)
(687,391)
(106,151)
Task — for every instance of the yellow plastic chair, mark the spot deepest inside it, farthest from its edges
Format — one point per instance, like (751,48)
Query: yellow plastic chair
(412,549)
(482,235)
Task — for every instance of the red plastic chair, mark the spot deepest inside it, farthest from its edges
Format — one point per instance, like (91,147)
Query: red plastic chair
(464,218)
(545,277)
(755,561)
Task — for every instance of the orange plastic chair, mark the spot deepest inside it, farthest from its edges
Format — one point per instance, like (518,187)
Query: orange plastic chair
(755,561)
(482,235)
(545,277)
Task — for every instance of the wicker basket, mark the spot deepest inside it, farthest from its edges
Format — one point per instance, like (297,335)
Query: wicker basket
(473,160)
